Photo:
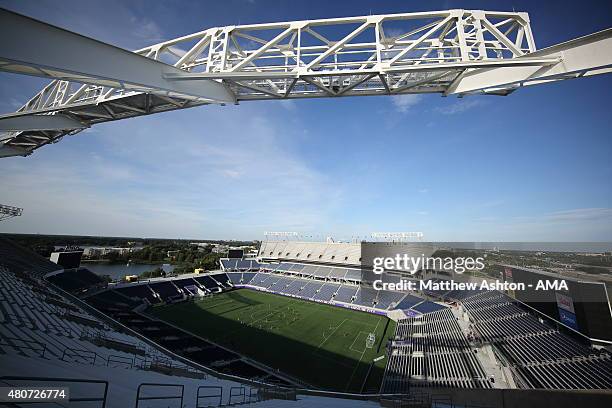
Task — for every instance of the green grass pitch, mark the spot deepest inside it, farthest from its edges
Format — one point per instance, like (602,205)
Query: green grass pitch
(322,345)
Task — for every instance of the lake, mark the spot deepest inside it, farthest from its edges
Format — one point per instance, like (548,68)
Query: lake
(117,271)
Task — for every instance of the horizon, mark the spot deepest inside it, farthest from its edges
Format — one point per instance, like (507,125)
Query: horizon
(508,246)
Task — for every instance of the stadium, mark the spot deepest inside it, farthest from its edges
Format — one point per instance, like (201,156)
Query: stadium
(278,328)
(295,322)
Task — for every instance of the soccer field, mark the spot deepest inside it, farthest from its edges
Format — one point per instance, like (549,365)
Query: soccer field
(322,345)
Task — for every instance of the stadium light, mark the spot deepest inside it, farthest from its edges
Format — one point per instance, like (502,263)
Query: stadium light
(281,234)
(397,235)
(6,212)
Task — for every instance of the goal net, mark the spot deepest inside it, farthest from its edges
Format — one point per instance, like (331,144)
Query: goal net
(370,340)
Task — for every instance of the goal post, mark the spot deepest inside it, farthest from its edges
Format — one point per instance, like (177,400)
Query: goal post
(370,340)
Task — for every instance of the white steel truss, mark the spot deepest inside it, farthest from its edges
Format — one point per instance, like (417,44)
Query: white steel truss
(449,52)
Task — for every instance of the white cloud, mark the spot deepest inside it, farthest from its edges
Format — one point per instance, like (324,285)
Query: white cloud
(490,203)
(232,173)
(403,103)
(580,214)
(215,172)
(15,103)
(394,32)
(460,106)
(574,225)
(288,104)
(113,21)
(146,30)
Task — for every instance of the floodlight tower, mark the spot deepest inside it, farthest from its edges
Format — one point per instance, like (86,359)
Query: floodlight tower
(6,212)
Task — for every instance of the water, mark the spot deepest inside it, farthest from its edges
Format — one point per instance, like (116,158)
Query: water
(117,271)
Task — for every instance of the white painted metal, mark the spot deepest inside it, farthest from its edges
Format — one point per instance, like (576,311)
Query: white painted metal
(585,56)
(36,48)
(40,122)
(448,52)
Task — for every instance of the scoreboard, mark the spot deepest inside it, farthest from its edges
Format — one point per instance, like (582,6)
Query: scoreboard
(235,253)
(67,259)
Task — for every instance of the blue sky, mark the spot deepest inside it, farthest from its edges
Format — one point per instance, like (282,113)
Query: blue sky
(532,166)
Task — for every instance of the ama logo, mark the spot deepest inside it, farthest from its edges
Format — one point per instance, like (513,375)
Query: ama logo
(557,284)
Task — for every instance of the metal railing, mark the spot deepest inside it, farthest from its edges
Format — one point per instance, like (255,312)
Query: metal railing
(237,392)
(114,360)
(140,398)
(209,396)
(76,355)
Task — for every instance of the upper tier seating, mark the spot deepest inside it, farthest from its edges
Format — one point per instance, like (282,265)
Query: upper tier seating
(541,355)
(310,270)
(238,264)
(38,322)
(17,258)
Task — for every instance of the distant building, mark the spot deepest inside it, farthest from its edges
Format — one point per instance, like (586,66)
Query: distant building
(93,252)
(220,249)
(172,253)
(235,253)
(200,244)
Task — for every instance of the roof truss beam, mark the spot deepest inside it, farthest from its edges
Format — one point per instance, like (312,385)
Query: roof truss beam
(35,48)
(40,122)
(447,52)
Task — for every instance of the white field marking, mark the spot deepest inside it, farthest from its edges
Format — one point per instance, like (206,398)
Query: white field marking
(360,323)
(279,310)
(220,303)
(355,339)
(254,314)
(252,322)
(358,362)
(325,338)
